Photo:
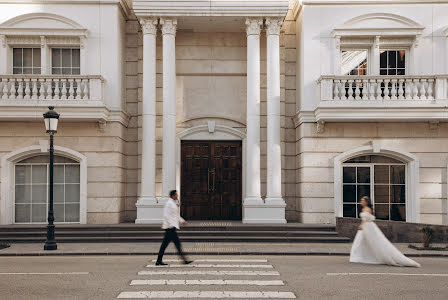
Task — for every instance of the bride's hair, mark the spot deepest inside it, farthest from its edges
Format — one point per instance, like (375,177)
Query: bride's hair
(367,199)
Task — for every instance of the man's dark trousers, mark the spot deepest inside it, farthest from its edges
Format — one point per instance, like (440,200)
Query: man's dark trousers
(170,235)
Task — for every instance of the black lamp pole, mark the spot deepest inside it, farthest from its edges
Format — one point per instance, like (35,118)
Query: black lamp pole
(51,126)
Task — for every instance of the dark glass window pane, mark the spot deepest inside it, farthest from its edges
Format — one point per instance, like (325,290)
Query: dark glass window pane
(392,59)
(363,175)
(381,193)
(349,193)
(55,71)
(392,72)
(39,212)
(401,72)
(66,58)
(398,212)
(17,70)
(349,175)
(363,190)
(381,174)
(397,174)
(36,57)
(17,57)
(383,72)
(401,59)
(59,212)
(349,210)
(56,58)
(28,71)
(76,71)
(382,211)
(76,58)
(383,59)
(28,57)
(36,70)
(66,71)
(72,212)
(22,213)
(397,194)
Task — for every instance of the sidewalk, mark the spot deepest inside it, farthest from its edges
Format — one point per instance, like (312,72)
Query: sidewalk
(36,249)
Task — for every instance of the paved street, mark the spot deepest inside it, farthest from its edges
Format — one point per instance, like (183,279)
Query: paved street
(235,277)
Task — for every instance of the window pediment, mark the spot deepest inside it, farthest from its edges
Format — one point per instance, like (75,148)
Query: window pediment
(379,24)
(42,24)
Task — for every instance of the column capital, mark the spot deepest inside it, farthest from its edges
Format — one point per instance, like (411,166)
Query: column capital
(273,26)
(253,26)
(149,25)
(169,26)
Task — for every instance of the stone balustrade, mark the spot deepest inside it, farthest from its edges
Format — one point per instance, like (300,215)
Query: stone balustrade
(383,88)
(51,87)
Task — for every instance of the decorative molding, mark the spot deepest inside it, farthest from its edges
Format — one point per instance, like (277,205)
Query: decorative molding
(82,41)
(102,125)
(253,26)
(43,41)
(23,40)
(320,126)
(377,42)
(211,126)
(433,125)
(169,26)
(3,40)
(273,26)
(65,40)
(149,25)
(337,40)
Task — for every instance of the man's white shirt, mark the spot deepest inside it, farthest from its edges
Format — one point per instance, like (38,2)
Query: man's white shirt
(171,215)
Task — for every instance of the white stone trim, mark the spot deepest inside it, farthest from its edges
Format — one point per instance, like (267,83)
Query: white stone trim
(7,178)
(412,176)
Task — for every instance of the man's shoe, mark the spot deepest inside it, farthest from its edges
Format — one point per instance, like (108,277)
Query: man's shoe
(161,263)
(187,262)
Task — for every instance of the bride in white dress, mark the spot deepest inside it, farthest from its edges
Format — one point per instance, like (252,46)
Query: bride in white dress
(371,246)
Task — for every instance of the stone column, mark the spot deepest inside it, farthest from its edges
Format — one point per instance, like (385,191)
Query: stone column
(253,191)
(169,106)
(147,211)
(274,161)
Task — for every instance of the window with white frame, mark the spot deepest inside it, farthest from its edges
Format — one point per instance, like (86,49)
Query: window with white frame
(381,178)
(31,190)
(65,61)
(26,61)
(392,62)
(354,62)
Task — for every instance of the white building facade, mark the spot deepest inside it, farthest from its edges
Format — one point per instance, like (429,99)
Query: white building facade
(259,111)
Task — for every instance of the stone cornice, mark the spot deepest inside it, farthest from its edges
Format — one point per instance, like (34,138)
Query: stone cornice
(253,26)
(370,2)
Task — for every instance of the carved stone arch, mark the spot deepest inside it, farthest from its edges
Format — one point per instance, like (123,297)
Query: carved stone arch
(412,176)
(7,178)
(22,21)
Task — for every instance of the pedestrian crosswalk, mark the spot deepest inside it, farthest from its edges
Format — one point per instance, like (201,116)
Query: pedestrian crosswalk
(209,278)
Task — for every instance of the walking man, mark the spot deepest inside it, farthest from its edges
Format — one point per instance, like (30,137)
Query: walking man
(171,220)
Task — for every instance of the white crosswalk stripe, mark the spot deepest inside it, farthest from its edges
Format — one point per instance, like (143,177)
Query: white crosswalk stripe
(205,294)
(179,278)
(207,282)
(212,266)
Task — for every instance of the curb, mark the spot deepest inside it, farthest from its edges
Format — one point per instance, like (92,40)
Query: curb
(203,253)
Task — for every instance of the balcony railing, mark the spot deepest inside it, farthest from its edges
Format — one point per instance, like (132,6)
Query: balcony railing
(51,87)
(383,88)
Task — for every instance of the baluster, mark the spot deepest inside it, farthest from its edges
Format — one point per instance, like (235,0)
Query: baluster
(336,90)
(42,89)
(422,89)
(393,90)
(343,91)
(34,91)
(27,89)
(49,88)
(400,89)
(350,89)
(408,89)
(357,89)
(415,90)
(64,89)
(366,89)
(372,89)
(56,93)
(71,90)
(20,90)
(86,89)
(5,88)
(78,89)
(12,89)
(386,89)
(430,90)
(379,91)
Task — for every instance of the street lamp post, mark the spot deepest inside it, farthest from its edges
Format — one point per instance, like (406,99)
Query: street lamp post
(51,119)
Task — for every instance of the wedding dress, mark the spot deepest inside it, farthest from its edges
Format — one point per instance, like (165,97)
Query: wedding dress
(372,247)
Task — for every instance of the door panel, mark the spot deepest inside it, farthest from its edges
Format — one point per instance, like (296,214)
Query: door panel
(211,185)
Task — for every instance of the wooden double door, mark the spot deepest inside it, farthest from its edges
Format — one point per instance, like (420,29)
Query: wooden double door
(211,180)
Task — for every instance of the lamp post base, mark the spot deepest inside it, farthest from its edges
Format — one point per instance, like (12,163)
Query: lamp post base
(50,243)
(50,246)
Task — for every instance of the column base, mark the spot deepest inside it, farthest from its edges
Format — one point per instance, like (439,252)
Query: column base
(267,212)
(149,211)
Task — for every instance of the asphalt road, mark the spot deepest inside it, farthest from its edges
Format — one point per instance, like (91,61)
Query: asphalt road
(305,277)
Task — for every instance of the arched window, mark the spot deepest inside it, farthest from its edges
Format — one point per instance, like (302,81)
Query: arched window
(381,178)
(31,190)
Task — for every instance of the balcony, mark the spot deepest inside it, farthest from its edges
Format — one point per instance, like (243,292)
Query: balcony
(382,98)
(76,97)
